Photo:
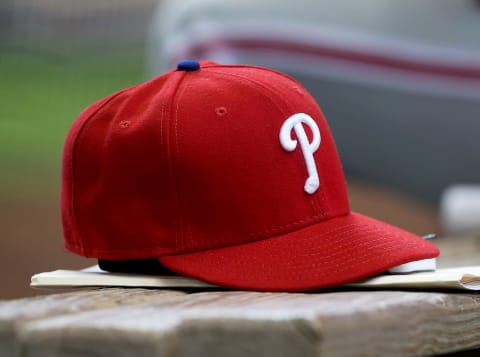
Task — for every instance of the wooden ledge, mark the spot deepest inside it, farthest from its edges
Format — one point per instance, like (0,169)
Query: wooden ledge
(124,322)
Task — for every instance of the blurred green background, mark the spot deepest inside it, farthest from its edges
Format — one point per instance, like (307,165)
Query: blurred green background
(56,57)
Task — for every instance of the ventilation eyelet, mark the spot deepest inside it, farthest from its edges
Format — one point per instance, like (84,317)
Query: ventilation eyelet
(221,111)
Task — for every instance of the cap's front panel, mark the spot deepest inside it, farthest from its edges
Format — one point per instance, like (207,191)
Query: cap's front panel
(236,183)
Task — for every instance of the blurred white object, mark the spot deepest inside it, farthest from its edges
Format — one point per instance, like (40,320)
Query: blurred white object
(460,209)
(419,265)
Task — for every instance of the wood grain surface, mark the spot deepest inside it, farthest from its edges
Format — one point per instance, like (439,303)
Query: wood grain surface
(16,314)
(126,322)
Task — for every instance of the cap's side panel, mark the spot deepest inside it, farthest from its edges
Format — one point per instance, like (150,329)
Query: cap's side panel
(122,198)
(72,237)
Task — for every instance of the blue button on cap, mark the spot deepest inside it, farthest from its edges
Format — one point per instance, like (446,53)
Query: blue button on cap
(188,65)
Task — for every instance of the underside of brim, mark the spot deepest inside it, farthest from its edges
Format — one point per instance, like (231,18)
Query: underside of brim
(327,254)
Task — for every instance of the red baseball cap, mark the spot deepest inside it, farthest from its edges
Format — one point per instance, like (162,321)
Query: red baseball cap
(224,173)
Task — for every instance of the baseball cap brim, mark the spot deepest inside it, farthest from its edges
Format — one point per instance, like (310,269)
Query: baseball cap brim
(326,254)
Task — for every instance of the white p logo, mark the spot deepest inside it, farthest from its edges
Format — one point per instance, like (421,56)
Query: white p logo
(295,122)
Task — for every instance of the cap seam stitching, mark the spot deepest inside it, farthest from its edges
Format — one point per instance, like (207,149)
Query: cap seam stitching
(351,228)
(85,123)
(174,176)
(312,218)
(185,228)
(297,270)
(265,69)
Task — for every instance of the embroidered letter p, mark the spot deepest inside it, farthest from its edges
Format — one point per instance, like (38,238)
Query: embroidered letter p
(295,122)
